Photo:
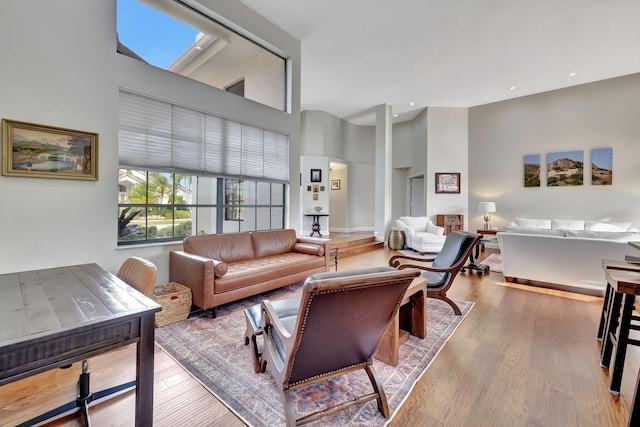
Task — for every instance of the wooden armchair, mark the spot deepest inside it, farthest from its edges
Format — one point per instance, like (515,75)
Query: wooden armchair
(444,267)
(341,320)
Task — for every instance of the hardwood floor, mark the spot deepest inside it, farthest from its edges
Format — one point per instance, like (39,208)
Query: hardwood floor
(525,356)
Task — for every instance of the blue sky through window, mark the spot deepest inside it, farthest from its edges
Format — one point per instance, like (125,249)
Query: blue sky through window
(155,37)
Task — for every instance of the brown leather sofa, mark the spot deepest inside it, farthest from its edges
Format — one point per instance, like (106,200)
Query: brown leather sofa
(220,268)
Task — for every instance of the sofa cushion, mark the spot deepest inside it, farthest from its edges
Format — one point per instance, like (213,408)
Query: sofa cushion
(607,226)
(533,223)
(251,272)
(567,224)
(228,247)
(538,231)
(618,236)
(273,242)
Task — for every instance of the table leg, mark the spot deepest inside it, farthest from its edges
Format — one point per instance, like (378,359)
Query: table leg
(144,372)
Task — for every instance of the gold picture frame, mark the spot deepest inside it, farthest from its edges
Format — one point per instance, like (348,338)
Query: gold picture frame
(41,151)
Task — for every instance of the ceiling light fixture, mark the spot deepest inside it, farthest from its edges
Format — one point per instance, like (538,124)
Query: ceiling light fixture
(395,115)
(411,104)
(572,74)
(513,87)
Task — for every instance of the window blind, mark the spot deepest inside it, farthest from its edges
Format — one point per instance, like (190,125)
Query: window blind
(156,135)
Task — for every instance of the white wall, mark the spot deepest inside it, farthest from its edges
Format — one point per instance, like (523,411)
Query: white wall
(596,115)
(60,68)
(447,147)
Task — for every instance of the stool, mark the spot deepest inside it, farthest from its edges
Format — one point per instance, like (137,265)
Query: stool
(287,311)
(622,286)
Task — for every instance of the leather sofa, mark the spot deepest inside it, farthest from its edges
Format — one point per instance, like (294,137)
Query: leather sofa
(421,234)
(220,268)
(563,252)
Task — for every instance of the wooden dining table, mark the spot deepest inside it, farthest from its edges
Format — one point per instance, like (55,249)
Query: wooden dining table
(54,317)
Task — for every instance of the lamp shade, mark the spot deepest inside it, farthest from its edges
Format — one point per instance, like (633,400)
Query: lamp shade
(487,207)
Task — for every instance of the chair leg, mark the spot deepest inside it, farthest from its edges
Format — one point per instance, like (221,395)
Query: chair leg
(289,412)
(444,298)
(383,406)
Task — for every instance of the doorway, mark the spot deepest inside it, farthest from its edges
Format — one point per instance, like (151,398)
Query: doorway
(416,196)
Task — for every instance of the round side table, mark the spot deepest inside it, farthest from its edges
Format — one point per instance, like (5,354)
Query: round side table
(396,239)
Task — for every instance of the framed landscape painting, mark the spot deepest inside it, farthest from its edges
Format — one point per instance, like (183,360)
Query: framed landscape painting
(40,151)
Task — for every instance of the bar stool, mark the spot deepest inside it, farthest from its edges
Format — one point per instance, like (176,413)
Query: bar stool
(617,316)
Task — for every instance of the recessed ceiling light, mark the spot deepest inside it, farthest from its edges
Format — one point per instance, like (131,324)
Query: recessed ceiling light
(395,115)
(513,87)
(411,104)
(572,74)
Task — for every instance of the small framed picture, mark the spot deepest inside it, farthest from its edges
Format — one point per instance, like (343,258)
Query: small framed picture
(335,184)
(316,175)
(447,182)
(308,188)
(322,188)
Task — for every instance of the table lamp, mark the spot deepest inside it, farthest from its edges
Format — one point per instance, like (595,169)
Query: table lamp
(487,208)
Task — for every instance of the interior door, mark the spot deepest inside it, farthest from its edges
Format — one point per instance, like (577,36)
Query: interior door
(416,196)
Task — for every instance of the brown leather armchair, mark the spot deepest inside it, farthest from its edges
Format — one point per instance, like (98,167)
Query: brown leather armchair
(139,273)
(341,320)
(444,267)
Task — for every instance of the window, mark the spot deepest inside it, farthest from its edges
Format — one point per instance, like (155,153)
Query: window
(185,172)
(172,35)
(156,206)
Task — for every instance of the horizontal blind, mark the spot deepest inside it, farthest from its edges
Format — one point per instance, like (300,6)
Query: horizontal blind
(156,135)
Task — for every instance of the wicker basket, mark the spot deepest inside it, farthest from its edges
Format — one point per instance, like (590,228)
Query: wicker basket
(175,300)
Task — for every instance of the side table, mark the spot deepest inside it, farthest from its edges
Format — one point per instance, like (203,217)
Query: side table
(483,233)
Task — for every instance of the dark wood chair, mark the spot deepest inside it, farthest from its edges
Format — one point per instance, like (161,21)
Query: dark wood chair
(341,319)
(443,267)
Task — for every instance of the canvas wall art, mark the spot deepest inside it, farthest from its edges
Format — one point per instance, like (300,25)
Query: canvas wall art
(532,170)
(565,168)
(602,166)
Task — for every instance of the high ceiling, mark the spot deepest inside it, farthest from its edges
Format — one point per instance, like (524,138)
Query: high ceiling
(357,54)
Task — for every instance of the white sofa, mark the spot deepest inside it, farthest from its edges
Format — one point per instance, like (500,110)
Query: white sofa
(420,234)
(564,252)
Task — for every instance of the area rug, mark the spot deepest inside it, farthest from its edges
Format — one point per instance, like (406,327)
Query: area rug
(213,351)
(494,261)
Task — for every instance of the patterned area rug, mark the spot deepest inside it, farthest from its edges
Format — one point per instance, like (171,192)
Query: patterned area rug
(213,351)
(494,261)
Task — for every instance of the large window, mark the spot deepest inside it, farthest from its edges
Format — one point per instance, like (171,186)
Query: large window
(156,206)
(181,37)
(185,172)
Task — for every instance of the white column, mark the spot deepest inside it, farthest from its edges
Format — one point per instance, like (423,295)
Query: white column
(383,172)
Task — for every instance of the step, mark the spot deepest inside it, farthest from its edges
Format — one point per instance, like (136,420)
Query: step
(355,249)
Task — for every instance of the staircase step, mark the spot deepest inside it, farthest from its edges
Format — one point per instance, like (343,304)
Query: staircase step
(355,249)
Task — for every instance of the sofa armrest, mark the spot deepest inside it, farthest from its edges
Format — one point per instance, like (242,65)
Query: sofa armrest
(195,272)
(319,242)
(435,229)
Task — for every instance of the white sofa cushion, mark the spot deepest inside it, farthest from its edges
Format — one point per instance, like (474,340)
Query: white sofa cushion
(607,226)
(533,223)
(618,236)
(567,224)
(538,231)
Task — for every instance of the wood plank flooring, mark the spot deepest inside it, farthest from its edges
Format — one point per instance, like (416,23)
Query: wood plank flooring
(525,356)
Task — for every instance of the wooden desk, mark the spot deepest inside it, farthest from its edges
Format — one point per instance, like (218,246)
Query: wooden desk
(54,317)
(411,319)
